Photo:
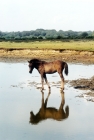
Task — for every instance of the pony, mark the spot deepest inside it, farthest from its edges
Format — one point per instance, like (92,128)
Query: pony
(44,68)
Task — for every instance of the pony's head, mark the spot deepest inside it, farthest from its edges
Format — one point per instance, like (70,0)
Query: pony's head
(31,66)
(34,119)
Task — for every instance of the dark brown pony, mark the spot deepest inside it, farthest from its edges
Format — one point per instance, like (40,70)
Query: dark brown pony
(44,68)
(50,112)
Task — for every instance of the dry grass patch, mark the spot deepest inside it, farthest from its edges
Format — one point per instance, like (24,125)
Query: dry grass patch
(71,45)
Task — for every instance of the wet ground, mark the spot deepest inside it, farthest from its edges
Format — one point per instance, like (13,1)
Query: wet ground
(11,55)
(66,115)
(87,85)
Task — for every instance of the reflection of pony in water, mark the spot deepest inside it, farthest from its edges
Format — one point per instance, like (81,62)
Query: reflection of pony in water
(50,112)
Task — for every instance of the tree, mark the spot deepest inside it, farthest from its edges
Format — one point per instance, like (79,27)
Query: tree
(84,35)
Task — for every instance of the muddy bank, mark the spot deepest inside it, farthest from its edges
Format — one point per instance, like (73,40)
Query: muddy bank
(65,55)
(85,84)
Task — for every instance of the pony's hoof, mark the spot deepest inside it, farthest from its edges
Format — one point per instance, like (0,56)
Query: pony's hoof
(42,89)
(62,88)
(49,88)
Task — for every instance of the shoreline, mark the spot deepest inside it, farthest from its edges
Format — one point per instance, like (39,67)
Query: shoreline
(70,56)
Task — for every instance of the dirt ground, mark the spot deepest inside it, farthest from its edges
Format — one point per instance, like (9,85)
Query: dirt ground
(50,55)
(65,55)
(84,84)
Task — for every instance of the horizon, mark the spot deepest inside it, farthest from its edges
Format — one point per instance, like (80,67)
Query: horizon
(48,30)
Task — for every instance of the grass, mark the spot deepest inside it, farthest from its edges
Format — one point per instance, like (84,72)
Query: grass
(71,45)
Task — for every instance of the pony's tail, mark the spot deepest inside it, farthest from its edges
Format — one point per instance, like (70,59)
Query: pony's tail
(66,68)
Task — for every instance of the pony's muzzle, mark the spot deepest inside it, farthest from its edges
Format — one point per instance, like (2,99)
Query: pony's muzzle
(30,71)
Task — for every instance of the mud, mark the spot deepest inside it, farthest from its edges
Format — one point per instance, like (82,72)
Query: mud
(85,84)
(65,55)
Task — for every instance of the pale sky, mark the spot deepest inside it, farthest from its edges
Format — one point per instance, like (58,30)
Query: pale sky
(26,15)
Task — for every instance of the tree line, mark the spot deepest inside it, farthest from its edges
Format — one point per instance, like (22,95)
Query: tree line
(41,34)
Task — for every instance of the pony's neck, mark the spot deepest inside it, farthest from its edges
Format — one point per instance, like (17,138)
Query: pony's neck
(36,65)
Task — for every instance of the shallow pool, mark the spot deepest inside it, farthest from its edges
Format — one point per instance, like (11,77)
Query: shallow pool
(19,95)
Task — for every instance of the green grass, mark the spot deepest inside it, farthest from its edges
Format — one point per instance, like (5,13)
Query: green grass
(71,45)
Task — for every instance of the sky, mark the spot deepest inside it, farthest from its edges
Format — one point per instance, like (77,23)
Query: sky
(26,15)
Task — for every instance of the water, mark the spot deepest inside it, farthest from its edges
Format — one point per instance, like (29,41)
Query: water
(19,96)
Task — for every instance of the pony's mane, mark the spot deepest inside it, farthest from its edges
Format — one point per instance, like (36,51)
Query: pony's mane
(35,60)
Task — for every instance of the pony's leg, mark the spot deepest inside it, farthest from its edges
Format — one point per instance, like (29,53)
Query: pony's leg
(46,81)
(62,101)
(42,101)
(63,98)
(42,81)
(46,100)
(62,80)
